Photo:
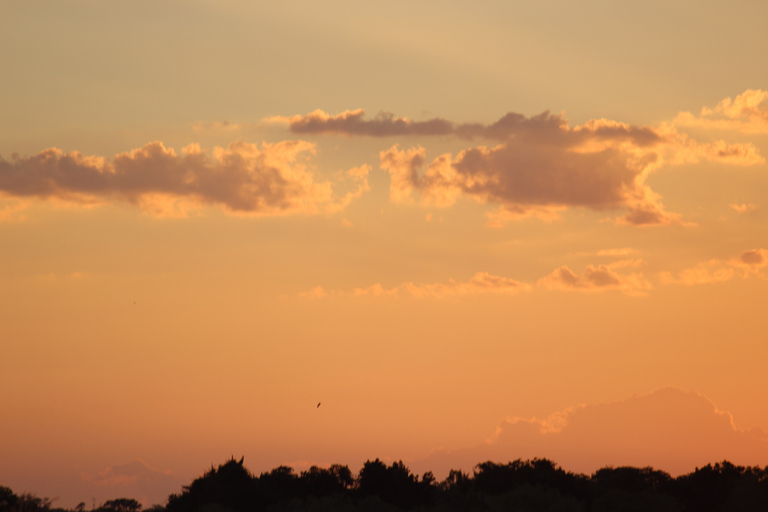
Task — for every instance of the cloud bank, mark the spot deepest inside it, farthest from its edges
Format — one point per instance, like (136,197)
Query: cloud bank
(594,279)
(273,179)
(668,429)
(540,165)
(535,166)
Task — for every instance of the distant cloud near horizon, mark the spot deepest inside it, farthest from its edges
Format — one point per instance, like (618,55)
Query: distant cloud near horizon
(481,282)
(750,262)
(134,479)
(594,279)
(242,178)
(600,278)
(668,429)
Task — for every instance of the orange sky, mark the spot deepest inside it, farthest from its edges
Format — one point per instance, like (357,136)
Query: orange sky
(470,233)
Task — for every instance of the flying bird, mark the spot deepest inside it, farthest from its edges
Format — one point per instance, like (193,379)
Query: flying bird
(318,405)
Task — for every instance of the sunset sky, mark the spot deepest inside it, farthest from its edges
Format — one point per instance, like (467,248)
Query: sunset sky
(471,231)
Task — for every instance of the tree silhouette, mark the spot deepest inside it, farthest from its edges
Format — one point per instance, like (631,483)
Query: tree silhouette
(319,482)
(522,486)
(230,486)
(121,505)
(393,484)
(8,500)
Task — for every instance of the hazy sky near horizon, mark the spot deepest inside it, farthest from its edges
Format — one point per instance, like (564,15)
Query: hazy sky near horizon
(430,216)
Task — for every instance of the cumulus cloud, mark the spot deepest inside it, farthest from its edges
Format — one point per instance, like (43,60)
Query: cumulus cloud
(480,283)
(748,263)
(668,429)
(600,278)
(746,113)
(543,166)
(539,165)
(274,179)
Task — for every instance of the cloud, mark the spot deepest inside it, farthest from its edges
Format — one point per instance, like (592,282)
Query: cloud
(595,279)
(543,167)
(225,126)
(623,251)
(540,167)
(698,275)
(668,429)
(480,283)
(682,149)
(746,113)
(386,124)
(358,176)
(352,122)
(136,479)
(744,208)
(242,178)
(612,253)
(752,260)
(315,293)
(749,263)
(12,210)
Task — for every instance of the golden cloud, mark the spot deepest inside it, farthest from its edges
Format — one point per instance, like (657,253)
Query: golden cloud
(274,179)
(599,278)
(746,113)
(543,167)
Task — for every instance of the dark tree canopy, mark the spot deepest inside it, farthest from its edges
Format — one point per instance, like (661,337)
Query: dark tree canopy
(521,485)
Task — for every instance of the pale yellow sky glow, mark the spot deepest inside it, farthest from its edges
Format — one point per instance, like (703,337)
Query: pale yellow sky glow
(472,231)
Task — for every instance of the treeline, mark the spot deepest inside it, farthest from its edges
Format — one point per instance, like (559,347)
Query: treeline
(531,485)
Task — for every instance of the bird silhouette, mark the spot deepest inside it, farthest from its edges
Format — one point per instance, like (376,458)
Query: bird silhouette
(318,405)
